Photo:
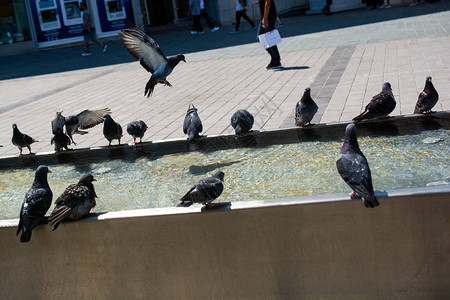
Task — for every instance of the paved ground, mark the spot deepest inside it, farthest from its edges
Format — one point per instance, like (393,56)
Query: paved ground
(344,58)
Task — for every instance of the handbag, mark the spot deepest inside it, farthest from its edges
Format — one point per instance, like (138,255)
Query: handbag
(269,39)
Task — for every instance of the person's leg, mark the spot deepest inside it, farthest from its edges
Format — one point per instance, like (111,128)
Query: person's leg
(248,19)
(197,25)
(208,20)
(238,19)
(88,50)
(273,51)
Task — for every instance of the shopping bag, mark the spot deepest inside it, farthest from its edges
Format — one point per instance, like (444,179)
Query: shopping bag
(269,39)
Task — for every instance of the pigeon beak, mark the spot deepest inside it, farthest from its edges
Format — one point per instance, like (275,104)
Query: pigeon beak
(93,179)
(49,171)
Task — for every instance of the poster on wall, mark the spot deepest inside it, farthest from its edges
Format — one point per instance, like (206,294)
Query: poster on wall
(114,14)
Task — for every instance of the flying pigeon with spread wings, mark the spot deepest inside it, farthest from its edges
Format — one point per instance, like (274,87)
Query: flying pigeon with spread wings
(147,51)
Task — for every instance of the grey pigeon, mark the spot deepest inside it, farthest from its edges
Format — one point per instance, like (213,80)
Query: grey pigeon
(427,99)
(242,121)
(137,129)
(84,120)
(353,167)
(111,129)
(75,202)
(21,140)
(305,109)
(37,201)
(192,125)
(60,140)
(381,105)
(204,191)
(147,51)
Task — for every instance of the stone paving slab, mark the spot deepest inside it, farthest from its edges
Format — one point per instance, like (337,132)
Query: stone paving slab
(344,59)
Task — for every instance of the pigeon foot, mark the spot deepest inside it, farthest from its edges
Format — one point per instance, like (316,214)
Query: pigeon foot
(166,83)
(353,194)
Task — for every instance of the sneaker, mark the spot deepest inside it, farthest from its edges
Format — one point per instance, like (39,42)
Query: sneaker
(215,29)
(234,31)
(200,32)
(86,54)
(273,66)
(279,26)
(105,48)
(387,6)
(253,28)
(194,32)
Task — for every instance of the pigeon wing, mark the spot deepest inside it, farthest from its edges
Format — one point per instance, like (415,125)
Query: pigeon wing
(90,118)
(143,48)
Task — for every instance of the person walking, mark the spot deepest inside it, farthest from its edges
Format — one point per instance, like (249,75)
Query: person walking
(197,9)
(89,31)
(241,12)
(268,19)
(326,8)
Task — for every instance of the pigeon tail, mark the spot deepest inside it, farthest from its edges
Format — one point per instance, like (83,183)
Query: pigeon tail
(364,116)
(185,203)
(150,86)
(371,203)
(26,235)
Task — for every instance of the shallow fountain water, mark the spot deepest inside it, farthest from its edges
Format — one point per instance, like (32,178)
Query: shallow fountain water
(276,171)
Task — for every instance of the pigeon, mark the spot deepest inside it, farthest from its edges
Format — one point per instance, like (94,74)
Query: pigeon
(75,202)
(111,129)
(242,121)
(192,125)
(147,51)
(380,106)
(305,109)
(137,129)
(60,140)
(84,120)
(204,191)
(427,99)
(37,201)
(21,140)
(353,167)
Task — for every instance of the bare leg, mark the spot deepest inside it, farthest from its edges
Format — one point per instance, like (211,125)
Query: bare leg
(88,49)
(99,43)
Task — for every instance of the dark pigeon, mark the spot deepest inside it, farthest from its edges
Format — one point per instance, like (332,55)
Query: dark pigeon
(137,129)
(147,51)
(111,129)
(75,202)
(242,121)
(204,191)
(427,99)
(353,167)
(37,201)
(380,106)
(305,109)
(192,125)
(84,120)
(21,140)
(60,140)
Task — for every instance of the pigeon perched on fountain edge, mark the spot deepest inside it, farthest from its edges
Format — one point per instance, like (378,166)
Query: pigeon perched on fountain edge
(204,191)
(305,109)
(60,140)
(37,201)
(353,167)
(381,105)
(137,129)
(75,202)
(242,121)
(427,99)
(192,125)
(21,140)
(147,51)
(111,129)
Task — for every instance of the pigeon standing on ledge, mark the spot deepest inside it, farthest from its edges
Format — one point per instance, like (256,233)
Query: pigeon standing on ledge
(353,167)
(242,121)
(204,191)
(147,51)
(137,129)
(60,140)
(380,106)
(305,109)
(427,99)
(37,201)
(192,125)
(75,202)
(111,129)
(21,140)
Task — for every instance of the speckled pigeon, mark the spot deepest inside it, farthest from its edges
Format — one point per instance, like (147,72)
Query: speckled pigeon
(305,109)
(242,121)
(60,140)
(21,140)
(204,191)
(84,120)
(147,51)
(111,129)
(353,167)
(137,129)
(75,202)
(381,105)
(37,201)
(427,99)
(192,125)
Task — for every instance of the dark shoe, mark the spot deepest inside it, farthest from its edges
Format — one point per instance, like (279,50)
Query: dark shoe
(273,66)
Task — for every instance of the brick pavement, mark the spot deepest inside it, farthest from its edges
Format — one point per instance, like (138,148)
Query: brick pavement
(344,58)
